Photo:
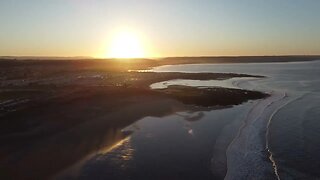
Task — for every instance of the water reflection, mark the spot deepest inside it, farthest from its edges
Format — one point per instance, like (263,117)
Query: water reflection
(49,149)
(178,146)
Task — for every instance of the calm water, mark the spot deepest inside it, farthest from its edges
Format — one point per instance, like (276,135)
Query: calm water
(278,137)
(294,130)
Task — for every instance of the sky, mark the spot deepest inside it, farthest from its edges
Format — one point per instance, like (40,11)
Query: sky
(164,27)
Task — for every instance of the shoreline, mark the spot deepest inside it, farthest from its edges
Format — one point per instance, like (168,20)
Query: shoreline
(245,151)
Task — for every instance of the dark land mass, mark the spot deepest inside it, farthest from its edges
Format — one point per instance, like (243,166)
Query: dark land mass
(205,96)
(53,114)
(127,64)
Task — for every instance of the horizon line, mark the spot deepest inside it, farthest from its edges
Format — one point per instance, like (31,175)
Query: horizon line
(163,57)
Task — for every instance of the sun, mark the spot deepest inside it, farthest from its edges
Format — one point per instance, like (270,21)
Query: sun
(126,44)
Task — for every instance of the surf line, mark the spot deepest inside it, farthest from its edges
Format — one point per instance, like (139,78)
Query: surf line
(271,156)
(247,144)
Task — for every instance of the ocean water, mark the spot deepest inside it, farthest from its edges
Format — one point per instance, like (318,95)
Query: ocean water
(293,129)
(273,138)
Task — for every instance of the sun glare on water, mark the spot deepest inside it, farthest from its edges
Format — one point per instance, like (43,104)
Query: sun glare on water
(126,44)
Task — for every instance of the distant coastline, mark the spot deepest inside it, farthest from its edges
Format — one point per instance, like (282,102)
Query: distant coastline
(144,63)
(203,59)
